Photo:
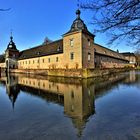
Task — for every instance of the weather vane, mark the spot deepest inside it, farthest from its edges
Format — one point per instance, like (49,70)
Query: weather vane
(11,32)
(78,4)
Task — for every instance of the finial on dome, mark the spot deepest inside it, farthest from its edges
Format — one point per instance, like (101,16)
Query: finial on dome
(78,12)
(78,4)
(11,37)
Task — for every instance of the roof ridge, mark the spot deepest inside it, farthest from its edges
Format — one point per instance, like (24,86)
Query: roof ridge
(106,48)
(40,46)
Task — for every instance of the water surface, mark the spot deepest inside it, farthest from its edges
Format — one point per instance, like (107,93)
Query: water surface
(38,108)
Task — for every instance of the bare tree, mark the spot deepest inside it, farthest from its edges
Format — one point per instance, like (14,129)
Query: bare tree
(120,18)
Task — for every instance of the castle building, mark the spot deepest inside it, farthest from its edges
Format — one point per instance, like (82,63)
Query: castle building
(75,51)
(131,58)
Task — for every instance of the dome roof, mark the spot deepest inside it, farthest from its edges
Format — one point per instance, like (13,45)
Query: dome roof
(78,23)
(11,44)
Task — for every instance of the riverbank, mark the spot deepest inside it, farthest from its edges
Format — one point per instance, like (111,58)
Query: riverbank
(75,73)
(137,68)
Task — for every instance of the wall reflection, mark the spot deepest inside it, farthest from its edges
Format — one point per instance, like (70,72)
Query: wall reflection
(76,95)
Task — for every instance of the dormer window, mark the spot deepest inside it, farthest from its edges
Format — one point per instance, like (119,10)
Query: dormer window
(71,42)
(38,53)
(14,55)
(58,49)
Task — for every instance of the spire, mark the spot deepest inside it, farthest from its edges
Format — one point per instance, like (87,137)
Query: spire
(78,12)
(11,37)
(78,4)
(78,24)
(11,44)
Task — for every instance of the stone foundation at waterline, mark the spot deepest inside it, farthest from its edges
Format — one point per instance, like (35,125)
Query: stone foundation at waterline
(80,73)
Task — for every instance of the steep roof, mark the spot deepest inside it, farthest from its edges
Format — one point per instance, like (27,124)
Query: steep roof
(128,54)
(2,58)
(108,52)
(55,47)
(11,45)
(79,25)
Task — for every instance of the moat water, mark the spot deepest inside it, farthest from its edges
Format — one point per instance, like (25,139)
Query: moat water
(48,108)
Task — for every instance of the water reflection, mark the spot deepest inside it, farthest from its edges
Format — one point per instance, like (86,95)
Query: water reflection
(75,95)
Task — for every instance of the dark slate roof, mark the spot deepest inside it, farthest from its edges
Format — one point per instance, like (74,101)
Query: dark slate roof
(128,54)
(2,59)
(11,45)
(79,25)
(43,50)
(108,52)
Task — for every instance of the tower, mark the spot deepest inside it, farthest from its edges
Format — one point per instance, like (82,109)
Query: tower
(77,45)
(11,55)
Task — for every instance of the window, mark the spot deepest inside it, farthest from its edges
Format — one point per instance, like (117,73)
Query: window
(71,55)
(43,60)
(89,43)
(71,42)
(38,53)
(33,61)
(95,59)
(58,49)
(38,61)
(56,59)
(72,94)
(89,56)
(72,108)
(14,55)
(49,60)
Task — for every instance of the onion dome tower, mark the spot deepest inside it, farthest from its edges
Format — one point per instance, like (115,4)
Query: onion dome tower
(12,51)
(79,25)
(11,44)
(11,55)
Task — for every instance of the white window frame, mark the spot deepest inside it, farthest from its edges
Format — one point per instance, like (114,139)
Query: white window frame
(72,42)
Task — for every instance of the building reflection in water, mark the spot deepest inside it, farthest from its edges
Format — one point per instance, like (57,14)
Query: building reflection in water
(12,88)
(76,95)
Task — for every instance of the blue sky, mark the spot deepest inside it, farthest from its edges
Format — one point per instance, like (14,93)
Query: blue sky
(33,20)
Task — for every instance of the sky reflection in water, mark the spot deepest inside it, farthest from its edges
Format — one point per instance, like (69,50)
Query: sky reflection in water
(59,108)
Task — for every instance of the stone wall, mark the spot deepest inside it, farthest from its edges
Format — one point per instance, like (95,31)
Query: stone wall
(74,47)
(2,65)
(88,51)
(45,62)
(80,73)
(102,61)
